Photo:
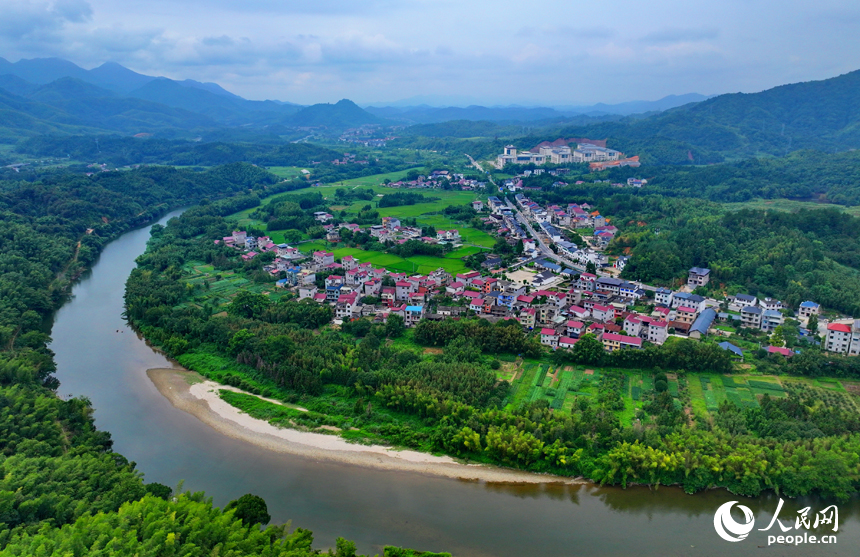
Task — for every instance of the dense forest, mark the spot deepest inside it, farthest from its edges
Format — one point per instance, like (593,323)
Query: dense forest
(449,400)
(63,489)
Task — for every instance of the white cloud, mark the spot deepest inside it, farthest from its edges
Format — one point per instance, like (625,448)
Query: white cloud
(387,49)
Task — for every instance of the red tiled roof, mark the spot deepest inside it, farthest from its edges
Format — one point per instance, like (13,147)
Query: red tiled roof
(841,327)
(623,338)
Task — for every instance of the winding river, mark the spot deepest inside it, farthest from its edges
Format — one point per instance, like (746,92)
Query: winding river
(98,356)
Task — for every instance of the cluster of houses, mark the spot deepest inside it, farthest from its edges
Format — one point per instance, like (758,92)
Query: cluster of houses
(590,304)
(439,179)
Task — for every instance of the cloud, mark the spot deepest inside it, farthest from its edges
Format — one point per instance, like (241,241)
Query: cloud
(25,19)
(677,35)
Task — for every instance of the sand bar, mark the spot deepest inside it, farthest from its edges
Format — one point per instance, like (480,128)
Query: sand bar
(198,396)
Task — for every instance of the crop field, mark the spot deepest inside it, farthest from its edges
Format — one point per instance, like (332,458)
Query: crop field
(220,286)
(701,393)
(416,264)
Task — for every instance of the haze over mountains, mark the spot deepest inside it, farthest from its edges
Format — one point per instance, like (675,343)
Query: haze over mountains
(53,96)
(111,80)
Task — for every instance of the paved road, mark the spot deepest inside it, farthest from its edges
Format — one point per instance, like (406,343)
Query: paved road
(547,252)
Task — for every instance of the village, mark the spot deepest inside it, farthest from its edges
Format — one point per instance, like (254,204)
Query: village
(556,288)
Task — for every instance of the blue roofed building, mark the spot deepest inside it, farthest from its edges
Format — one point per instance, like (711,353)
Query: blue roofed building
(736,352)
(703,322)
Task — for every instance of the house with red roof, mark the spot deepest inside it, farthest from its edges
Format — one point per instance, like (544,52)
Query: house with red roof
(575,328)
(613,341)
(549,337)
(603,313)
(403,289)
(780,350)
(567,342)
(839,338)
(527,318)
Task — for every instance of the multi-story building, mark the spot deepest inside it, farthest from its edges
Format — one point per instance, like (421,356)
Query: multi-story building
(586,152)
(413,315)
(751,317)
(770,320)
(699,276)
(549,337)
(663,296)
(685,314)
(838,338)
(808,309)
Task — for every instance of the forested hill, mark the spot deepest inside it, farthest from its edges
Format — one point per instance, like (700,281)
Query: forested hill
(822,115)
(120,150)
(63,489)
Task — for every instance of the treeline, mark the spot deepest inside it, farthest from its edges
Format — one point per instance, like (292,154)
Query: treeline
(404,198)
(63,490)
(681,355)
(805,175)
(121,151)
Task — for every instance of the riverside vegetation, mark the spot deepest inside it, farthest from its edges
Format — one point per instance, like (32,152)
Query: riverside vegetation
(380,383)
(63,489)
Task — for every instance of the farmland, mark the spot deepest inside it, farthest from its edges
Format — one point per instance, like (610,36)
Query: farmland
(416,264)
(699,393)
(425,214)
(219,287)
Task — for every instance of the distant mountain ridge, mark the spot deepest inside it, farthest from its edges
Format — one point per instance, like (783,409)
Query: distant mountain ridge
(425,114)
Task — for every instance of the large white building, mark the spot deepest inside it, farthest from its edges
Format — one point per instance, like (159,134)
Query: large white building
(586,152)
(523,157)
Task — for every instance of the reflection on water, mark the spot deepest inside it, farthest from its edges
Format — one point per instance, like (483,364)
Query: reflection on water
(100,357)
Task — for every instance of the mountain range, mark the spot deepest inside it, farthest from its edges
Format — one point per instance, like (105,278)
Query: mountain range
(428,114)
(53,96)
(56,96)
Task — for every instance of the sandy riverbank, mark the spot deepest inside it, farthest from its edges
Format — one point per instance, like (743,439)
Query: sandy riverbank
(194,394)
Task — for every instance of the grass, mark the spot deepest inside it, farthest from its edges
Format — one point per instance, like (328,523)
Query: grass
(415,264)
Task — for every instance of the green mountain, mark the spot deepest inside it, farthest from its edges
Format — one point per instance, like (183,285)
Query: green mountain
(822,115)
(344,113)
(71,106)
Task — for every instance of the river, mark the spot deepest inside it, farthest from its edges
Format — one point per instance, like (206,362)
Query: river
(100,357)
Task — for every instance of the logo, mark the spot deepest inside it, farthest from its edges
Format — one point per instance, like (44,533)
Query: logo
(726,526)
(732,531)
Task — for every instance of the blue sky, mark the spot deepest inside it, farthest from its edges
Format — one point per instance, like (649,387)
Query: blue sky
(540,53)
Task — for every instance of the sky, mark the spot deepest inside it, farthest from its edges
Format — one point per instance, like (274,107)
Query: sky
(556,53)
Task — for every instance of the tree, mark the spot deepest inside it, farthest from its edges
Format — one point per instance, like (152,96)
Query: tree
(394,327)
(250,509)
(588,350)
(778,337)
(590,267)
(812,325)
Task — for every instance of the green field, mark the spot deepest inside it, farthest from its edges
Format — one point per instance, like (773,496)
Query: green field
(285,171)
(417,264)
(703,391)
(219,287)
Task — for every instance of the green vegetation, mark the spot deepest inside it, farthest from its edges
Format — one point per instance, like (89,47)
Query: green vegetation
(616,419)
(64,490)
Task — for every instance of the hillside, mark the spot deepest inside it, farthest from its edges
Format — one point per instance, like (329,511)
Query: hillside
(344,113)
(822,115)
